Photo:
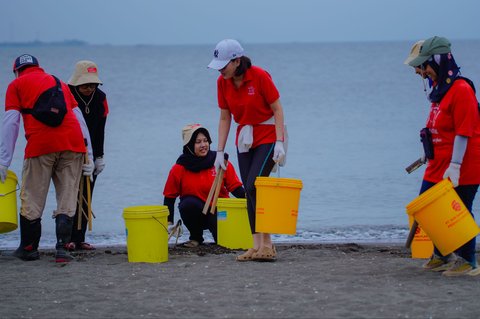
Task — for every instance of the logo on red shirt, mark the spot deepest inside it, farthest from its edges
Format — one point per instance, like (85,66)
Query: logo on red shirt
(251,90)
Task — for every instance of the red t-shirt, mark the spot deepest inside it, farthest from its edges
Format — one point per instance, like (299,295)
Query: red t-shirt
(456,114)
(182,182)
(22,93)
(250,103)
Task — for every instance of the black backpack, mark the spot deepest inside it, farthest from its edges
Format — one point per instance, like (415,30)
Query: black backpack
(50,107)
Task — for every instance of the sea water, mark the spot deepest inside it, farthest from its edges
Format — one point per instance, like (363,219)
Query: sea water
(353,112)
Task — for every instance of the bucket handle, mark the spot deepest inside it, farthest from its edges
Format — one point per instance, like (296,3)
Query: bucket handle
(160,223)
(1,195)
(18,187)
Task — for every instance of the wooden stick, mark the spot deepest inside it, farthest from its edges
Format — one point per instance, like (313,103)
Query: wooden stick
(220,174)
(210,194)
(89,202)
(80,205)
(217,190)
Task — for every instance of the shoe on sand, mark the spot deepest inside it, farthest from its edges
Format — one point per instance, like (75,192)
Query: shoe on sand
(246,256)
(265,254)
(85,246)
(191,244)
(474,272)
(460,267)
(62,256)
(437,263)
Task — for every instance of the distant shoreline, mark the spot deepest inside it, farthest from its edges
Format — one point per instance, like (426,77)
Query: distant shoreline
(74,42)
(42,43)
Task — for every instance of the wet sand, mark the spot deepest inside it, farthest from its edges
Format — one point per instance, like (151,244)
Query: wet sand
(307,281)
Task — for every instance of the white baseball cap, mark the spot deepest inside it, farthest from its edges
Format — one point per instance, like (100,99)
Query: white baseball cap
(225,51)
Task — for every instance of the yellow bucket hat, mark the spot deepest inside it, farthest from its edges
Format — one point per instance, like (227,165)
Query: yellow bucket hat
(85,72)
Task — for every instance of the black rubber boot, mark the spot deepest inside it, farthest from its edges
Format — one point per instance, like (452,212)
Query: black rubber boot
(63,228)
(30,233)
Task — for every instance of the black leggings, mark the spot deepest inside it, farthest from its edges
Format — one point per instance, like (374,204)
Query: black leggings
(256,162)
(190,208)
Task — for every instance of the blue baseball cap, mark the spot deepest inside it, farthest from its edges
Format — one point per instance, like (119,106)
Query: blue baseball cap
(23,61)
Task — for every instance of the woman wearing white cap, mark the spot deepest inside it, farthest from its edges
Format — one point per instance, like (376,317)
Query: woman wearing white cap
(191,178)
(453,148)
(248,93)
(94,106)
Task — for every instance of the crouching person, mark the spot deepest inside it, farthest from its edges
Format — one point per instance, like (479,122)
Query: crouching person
(191,179)
(56,133)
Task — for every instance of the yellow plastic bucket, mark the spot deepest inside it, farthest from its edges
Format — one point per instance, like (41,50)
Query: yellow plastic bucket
(277,205)
(233,227)
(422,246)
(8,203)
(443,216)
(146,228)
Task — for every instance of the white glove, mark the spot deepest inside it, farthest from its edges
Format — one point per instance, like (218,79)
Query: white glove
(220,161)
(278,152)
(3,173)
(423,159)
(453,172)
(88,168)
(99,165)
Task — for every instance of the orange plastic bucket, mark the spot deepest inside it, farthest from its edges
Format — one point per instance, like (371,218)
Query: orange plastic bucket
(443,216)
(422,246)
(277,205)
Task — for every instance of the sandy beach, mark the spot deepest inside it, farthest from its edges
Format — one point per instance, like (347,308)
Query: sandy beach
(307,281)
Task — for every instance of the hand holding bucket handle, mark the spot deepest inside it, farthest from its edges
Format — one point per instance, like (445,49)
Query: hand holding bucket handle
(3,173)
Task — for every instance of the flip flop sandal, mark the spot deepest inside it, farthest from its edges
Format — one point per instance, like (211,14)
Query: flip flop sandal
(246,256)
(191,244)
(70,246)
(86,246)
(265,254)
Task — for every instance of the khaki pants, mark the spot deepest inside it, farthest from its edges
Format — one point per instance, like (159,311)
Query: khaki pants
(64,169)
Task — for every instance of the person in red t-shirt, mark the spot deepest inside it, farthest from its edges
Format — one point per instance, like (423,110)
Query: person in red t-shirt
(191,179)
(453,151)
(51,154)
(248,93)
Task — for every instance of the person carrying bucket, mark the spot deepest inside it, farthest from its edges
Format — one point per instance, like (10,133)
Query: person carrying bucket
(191,179)
(248,93)
(84,85)
(451,141)
(54,152)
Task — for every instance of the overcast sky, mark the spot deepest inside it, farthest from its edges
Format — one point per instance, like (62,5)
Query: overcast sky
(126,22)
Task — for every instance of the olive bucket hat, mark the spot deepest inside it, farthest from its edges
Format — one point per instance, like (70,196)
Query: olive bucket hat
(431,46)
(85,72)
(414,51)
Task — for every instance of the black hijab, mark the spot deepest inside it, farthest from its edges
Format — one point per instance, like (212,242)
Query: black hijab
(193,162)
(447,72)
